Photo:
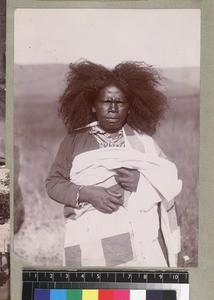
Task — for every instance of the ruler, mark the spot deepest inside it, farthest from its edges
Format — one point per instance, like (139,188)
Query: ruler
(35,279)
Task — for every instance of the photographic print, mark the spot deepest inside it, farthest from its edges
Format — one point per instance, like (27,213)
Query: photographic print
(106,148)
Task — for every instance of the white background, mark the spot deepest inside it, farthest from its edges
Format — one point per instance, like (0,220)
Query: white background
(164,38)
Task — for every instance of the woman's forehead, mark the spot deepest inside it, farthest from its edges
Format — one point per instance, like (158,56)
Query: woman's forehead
(111,91)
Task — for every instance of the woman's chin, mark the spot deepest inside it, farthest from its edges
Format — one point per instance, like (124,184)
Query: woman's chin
(111,127)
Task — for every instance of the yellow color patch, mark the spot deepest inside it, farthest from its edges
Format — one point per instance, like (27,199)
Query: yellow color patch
(90,295)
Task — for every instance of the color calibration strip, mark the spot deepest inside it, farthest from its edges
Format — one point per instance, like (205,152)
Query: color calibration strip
(93,294)
(105,285)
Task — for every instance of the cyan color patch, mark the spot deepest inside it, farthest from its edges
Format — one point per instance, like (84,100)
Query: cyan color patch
(58,294)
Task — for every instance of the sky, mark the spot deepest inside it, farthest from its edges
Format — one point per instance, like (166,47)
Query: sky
(163,38)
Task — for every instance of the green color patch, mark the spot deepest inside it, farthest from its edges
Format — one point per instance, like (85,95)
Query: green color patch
(74,295)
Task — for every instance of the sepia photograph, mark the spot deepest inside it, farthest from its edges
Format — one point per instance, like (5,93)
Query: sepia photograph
(106,137)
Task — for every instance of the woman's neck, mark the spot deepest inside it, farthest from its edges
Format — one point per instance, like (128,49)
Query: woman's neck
(112,134)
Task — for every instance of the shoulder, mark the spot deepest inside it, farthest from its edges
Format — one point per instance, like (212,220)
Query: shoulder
(148,143)
(151,146)
(78,141)
(71,137)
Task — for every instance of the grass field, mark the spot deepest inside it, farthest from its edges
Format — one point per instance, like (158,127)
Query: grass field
(38,133)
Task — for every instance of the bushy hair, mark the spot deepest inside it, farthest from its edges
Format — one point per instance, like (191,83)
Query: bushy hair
(137,80)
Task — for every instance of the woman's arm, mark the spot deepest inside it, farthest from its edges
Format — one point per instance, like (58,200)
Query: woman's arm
(60,189)
(58,184)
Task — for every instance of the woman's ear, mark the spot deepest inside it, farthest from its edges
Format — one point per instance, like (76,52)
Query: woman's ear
(93,109)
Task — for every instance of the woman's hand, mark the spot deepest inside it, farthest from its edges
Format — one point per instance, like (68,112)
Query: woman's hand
(127,178)
(102,199)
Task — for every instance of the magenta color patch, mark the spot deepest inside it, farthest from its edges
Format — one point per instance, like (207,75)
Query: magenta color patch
(121,294)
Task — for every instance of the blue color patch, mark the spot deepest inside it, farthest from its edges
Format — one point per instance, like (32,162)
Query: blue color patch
(41,294)
(58,294)
(154,295)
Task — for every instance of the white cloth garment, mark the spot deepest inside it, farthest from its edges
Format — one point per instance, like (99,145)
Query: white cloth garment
(139,217)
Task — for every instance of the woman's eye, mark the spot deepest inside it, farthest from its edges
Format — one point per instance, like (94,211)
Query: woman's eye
(106,101)
(113,102)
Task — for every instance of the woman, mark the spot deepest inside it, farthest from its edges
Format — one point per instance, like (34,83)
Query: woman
(116,184)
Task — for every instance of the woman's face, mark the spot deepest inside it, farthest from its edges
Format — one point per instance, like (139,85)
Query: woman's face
(111,108)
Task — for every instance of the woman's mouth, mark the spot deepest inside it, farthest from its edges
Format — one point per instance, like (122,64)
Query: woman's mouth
(112,119)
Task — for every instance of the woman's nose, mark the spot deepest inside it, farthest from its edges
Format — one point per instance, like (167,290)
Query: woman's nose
(113,107)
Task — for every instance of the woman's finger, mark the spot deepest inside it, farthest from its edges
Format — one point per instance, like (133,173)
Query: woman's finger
(114,194)
(117,201)
(108,210)
(112,206)
(125,180)
(127,188)
(124,171)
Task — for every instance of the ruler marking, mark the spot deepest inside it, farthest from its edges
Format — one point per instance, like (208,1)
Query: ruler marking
(48,279)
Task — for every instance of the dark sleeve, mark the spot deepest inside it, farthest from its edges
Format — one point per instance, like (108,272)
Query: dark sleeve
(58,185)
